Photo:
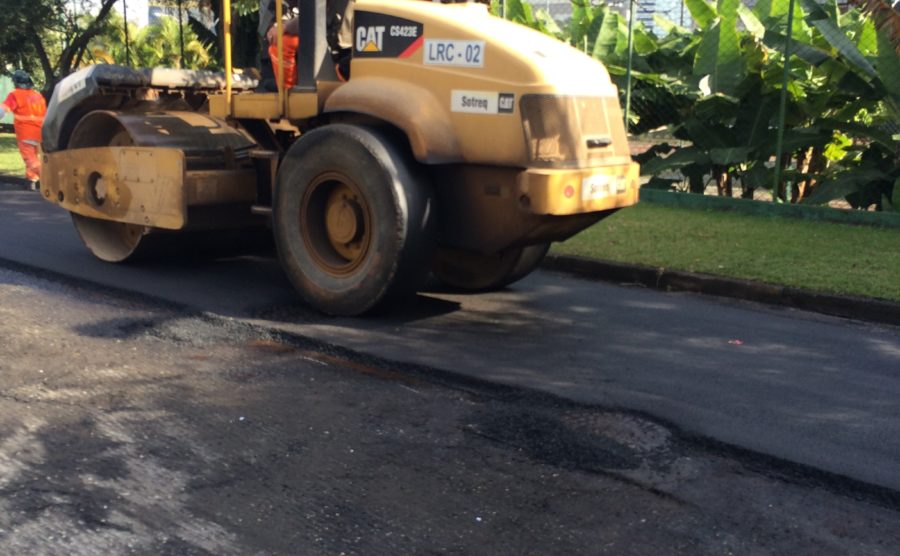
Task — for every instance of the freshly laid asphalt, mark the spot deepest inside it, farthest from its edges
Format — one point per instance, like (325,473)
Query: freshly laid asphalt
(797,386)
(133,427)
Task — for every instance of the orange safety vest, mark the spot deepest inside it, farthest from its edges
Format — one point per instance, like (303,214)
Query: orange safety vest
(28,108)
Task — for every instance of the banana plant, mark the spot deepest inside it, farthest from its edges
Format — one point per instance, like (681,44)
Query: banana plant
(524,14)
(842,69)
(716,88)
(864,110)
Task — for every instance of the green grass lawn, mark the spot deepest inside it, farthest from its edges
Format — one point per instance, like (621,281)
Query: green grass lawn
(10,159)
(819,256)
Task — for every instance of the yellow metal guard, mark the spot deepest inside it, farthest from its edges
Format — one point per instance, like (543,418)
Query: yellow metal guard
(137,185)
(226,25)
(279,27)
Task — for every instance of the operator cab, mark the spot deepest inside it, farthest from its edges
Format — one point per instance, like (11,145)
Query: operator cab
(316,75)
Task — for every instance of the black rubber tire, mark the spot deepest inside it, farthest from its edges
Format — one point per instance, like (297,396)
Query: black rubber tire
(476,272)
(398,218)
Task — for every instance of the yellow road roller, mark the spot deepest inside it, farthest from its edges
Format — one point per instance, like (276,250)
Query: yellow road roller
(460,144)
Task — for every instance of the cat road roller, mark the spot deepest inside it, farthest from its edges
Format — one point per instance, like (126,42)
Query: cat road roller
(461,144)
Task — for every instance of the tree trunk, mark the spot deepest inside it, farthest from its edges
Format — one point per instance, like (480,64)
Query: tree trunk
(747,189)
(723,181)
(781,192)
(804,163)
(71,56)
(817,164)
(46,66)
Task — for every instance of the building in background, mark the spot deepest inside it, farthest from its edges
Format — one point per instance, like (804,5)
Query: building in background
(673,10)
(200,12)
(141,13)
(136,11)
(560,10)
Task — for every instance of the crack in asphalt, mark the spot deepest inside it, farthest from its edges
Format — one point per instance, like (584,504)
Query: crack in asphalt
(38,401)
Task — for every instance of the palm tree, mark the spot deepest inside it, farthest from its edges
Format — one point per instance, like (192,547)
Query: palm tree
(156,45)
(159,45)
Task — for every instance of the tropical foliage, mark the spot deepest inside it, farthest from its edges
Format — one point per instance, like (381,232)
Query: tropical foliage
(45,38)
(716,90)
(52,38)
(157,45)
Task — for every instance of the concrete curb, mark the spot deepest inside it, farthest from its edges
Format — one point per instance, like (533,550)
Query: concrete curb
(851,307)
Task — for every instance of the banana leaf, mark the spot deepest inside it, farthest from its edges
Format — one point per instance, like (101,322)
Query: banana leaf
(752,23)
(703,12)
(818,18)
(867,38)
(644,42)
(810,54)
(751,126)
(729,156)
(607,37)
(888,65)
(708,135)
(844,184)
(796,139)
(771,12)
(719,53)
(658,149)
(679,159)
(548,23)
(716,107)
(668,26)
(518,11)
(582,16)
(860,130)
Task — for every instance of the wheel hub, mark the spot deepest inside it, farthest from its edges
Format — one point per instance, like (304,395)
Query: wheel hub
(344,218)
(335,223)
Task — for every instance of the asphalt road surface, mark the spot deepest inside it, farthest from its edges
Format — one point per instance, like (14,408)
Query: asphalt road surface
(129,426)
(800,388)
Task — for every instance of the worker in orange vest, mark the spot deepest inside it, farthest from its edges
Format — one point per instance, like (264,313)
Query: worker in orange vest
(28,108)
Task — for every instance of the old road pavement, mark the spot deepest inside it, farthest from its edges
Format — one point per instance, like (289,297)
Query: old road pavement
(789,386)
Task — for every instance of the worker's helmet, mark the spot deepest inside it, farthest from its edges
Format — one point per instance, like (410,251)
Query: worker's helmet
(21,79)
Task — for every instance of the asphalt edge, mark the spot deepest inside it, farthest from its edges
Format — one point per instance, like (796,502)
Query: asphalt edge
(851,307)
